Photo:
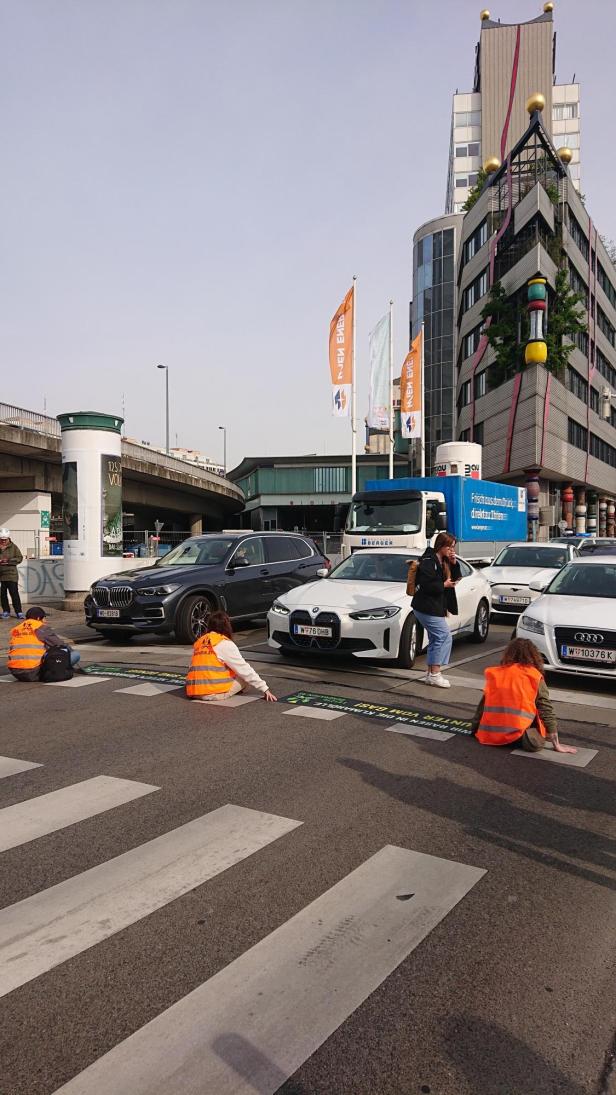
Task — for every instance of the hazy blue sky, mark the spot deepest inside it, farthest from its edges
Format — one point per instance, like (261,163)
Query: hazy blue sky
(195,183)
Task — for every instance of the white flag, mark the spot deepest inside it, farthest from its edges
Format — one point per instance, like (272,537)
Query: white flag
(380,391)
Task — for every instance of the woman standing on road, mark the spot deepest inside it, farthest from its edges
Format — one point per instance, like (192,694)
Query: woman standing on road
(218,670)
(434,597)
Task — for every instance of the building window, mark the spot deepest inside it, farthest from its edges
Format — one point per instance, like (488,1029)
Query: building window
(580,339)
(476,290)
(602,451)
(569,140)
(465,394)
(578,236)
(563,112)
(475,242)
(471,341)
(594,400)
(478,433)
(604,325)
(480,385)
(577,435)
(472,180)
(577,282)
(465,435)
(461,180)
(461,151)
(577,384)
(329,480)
(603,366)
(470,117)
(606,285)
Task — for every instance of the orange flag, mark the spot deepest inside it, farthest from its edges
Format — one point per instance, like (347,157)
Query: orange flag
(341,357)
(411,394)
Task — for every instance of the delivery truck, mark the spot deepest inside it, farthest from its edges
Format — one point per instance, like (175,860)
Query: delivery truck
(409,513)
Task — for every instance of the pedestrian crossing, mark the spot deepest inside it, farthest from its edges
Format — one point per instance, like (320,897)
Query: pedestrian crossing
(254,1022)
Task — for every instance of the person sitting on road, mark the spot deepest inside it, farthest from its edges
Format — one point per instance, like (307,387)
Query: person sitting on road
(29,642)
(516,704)
(218,670)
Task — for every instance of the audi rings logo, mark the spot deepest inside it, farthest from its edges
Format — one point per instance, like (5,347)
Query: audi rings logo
(588,637)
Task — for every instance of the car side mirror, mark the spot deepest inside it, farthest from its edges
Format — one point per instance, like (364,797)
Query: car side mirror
(538,584)
(441,522)
(323,572)
(481,563)
(235,564)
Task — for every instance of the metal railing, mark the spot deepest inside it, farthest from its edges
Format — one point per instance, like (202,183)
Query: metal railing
(28,420)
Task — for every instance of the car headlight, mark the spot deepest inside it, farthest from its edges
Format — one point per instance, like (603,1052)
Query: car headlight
(279,609)
(375,613)
(529,623)
(155,591)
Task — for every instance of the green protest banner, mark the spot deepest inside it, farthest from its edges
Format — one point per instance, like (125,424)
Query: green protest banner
(408,716)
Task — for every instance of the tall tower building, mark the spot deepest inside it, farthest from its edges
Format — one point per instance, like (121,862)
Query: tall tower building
(512,62)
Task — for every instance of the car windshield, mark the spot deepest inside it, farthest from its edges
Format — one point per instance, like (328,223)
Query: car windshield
(531,556)
(197,553)
(599,547)
(372,567)
(386,517)
(577,580)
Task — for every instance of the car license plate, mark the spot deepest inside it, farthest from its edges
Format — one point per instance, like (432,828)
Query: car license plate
(315,632)
(589,654)
(514,600)
(108,613)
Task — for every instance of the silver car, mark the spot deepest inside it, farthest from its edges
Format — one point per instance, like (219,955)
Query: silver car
(519,564)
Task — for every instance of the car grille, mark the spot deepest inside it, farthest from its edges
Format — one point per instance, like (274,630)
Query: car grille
(567,636)
(324,619)
(112,596)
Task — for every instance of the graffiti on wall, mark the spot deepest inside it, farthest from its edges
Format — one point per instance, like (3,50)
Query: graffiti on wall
(41,579)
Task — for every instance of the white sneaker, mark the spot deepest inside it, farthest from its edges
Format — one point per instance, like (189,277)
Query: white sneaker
(438,680)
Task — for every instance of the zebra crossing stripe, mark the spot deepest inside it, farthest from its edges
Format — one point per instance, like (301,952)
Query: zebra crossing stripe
(46,814)
(46,929)
(9,766)
(251,1026)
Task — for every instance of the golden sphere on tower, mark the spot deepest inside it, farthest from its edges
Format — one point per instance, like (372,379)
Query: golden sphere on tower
(536,102)
(491,165)
(548,7)
(483,15)
(565,154)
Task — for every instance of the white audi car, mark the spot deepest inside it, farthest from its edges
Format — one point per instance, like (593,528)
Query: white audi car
(519,564)
(573,621)
(362,608)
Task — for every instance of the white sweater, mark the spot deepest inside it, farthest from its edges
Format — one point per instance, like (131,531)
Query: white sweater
(229,653)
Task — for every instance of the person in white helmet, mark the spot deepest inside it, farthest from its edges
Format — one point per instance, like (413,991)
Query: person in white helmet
(10,558)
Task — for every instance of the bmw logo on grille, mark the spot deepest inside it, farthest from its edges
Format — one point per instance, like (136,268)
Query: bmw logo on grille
(593,637)
(315,611)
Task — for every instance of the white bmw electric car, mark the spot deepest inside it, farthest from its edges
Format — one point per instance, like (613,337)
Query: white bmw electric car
(572,622)
(362,608)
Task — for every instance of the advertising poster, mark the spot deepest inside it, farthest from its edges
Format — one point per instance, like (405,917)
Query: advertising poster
(111,503)
(70,507)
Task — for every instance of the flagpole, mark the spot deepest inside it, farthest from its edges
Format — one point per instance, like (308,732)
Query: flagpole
(423,407)
(391,389)
(354,396)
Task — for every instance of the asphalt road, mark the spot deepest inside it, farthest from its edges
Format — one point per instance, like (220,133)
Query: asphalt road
(508,988)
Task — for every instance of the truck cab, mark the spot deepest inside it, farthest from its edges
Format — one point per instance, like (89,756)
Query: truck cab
(386,518)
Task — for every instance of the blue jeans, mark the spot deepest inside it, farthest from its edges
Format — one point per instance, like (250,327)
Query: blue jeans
(75,657)
(439,637)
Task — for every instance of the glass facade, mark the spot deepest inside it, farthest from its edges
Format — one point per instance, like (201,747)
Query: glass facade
(434,295)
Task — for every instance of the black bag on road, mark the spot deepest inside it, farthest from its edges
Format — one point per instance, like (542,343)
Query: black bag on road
(56,665)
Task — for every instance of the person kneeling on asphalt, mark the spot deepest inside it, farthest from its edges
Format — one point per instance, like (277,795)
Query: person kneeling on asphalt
(30,641)
(218,670)
(516,704)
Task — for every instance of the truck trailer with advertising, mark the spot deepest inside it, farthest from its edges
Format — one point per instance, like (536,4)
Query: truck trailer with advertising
(483,516)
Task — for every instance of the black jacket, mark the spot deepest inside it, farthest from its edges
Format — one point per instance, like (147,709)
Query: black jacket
(430,596)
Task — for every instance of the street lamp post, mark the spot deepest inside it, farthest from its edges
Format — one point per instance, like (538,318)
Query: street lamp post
(166,406)
(224,458)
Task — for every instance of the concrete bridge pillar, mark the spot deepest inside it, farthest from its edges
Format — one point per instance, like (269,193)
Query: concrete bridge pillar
(91,499)
(196,524)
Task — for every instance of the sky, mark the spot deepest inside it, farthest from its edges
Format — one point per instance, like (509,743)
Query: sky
(195,183)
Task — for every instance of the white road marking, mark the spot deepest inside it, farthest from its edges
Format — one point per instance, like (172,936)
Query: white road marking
(76,682)
(25,821)
(316,713)
(249,1027)
(477,657)
(148,688)
(580,759)
(46,929)
(9,679)
(418,731)
(233,701)
(11,767)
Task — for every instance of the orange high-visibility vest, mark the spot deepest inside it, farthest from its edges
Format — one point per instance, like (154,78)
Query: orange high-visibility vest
(25,649)
(509,704)
(208,675)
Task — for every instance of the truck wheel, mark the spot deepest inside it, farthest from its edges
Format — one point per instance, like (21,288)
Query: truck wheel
(409,639)
(116,636)
(193,618)
(482,622)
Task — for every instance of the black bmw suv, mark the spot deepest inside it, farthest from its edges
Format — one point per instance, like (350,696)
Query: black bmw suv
(241,573)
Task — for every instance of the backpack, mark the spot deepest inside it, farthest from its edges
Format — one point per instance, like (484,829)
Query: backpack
(411,577)
(56,665)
